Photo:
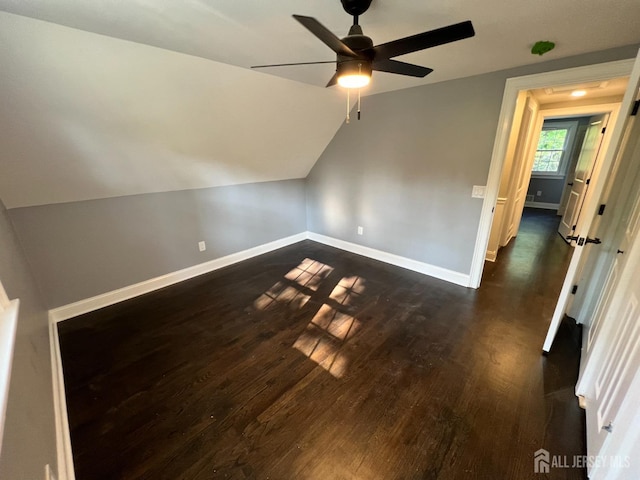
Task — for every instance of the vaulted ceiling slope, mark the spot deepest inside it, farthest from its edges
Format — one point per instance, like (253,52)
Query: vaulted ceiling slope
(85,116)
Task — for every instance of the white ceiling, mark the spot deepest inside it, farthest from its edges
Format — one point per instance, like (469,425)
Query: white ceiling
(249,33)
(610,89)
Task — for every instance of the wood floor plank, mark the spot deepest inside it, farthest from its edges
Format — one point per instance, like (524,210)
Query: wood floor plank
(314,363)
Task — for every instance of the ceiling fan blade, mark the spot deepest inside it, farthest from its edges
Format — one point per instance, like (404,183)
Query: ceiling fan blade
(291,64)
(333,80)
(432,38)
(401,68)
(325,35)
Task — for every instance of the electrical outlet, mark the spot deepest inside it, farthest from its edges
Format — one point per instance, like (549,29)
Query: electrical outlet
(202,246)
(478,191)
(360,231)
(539,193)
(48,473)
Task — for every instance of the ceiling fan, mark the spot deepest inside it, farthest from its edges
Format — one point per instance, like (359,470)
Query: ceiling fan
(357,57)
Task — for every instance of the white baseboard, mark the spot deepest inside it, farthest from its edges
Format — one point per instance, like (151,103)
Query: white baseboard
(546,206)
(115,296)
(110,298)
(63,435)
(420,267)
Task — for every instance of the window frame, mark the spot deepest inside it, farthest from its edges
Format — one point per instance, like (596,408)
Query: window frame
(571,128)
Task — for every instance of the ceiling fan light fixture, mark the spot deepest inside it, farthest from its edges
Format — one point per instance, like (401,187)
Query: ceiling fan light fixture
(354,73)
(357,80)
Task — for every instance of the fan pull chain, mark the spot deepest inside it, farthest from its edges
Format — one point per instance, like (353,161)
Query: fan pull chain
(360,72)
(348,105)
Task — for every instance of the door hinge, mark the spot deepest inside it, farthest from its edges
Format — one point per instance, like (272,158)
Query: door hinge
(636,106)
(601,209)
(588,181)
(574,289)
(574,228)
(604,129)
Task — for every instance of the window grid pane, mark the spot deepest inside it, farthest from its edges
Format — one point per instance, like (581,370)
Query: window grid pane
(550,150)
(547,161)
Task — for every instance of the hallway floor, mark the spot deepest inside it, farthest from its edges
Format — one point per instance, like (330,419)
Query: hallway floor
(314,363)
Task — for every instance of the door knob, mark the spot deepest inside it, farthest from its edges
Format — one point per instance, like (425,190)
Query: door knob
(570,184)
(596,240)
(608,428)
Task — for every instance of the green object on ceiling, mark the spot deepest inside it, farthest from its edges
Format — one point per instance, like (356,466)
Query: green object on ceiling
(542,47)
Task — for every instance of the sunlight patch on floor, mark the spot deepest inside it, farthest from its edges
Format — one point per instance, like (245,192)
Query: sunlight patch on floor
(309,274)
(281,293)
(331,327)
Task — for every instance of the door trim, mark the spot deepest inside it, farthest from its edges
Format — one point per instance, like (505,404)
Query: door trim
(587,73)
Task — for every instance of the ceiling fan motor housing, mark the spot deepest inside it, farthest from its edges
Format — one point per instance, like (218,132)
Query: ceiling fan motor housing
(360,44)
(354,66)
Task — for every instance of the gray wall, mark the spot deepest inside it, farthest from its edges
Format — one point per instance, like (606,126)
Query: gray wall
(29,437)
(406,170)
(80,249)
(550,188)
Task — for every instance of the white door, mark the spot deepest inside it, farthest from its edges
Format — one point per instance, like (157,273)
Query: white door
(612,383)
(591,149)
(620,224)
(525,162)
(591,204)
(611,339)
(614,345)
(580,133)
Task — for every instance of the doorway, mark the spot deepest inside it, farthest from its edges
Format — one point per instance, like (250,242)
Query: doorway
(553,160)
(511,100)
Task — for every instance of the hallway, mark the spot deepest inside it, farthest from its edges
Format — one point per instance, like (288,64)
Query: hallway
(538,245)
(313,363)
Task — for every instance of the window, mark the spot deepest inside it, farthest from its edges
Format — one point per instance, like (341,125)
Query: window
(554,149)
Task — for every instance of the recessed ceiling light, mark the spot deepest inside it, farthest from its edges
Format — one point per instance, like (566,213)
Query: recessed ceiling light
(578,93)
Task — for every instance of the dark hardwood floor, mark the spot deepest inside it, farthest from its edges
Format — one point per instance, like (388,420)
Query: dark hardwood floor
(313,363)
